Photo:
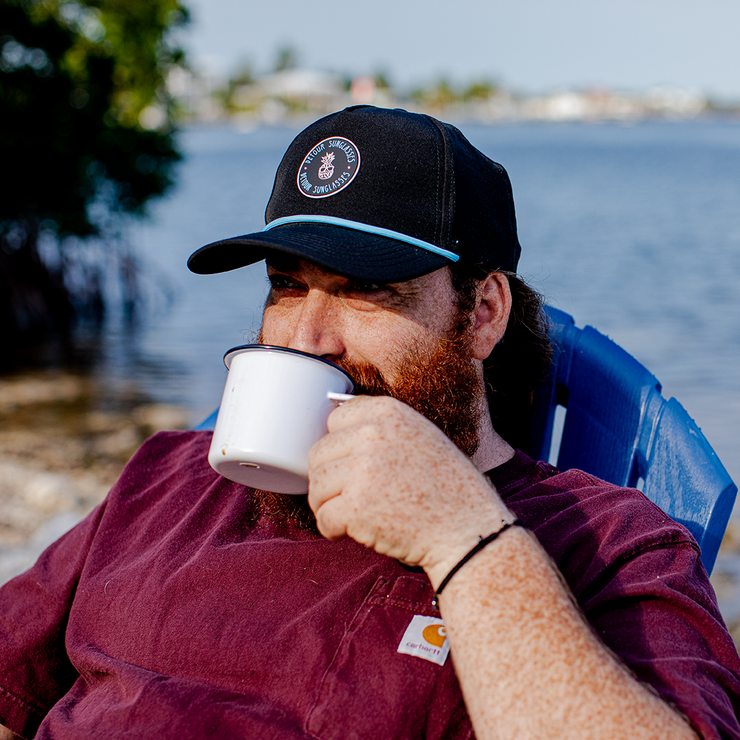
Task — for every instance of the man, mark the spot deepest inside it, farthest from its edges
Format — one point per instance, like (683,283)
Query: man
(190,606)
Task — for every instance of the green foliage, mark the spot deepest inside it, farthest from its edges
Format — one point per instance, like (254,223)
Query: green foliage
(480,91)
(226,96)
(439,96)
(382,80)
(287,58)
(78,85)
(85,120)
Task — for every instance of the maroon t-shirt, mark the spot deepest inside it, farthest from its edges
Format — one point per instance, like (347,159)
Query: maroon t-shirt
(176,611)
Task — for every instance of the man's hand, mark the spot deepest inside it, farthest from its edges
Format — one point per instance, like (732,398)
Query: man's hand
(390,479)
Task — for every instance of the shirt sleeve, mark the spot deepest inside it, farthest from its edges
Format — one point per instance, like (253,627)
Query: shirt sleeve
(35,671)
(657,612)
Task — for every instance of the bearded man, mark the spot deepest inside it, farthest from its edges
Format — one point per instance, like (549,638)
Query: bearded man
(435,582)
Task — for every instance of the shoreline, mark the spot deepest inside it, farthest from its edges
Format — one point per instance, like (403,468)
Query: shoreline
(63,444)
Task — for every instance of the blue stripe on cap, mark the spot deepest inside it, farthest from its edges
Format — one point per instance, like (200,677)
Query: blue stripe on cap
(358,226)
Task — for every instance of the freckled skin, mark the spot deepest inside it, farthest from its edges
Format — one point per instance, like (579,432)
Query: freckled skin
(528,664)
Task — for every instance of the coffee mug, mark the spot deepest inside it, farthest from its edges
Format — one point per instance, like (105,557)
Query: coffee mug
(274,409)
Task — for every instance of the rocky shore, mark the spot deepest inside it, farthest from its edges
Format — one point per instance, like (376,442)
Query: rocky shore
(63,443)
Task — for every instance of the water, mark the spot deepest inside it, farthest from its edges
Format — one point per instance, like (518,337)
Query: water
(632,229)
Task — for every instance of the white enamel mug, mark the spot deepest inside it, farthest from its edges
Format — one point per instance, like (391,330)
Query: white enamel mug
(274,409)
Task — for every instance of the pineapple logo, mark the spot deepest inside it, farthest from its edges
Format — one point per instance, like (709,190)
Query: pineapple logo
(327,168)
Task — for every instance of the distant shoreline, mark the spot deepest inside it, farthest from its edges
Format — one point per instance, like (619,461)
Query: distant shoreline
(247,122)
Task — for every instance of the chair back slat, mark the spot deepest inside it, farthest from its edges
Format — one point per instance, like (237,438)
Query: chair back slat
(619,428)
(687,480)
(607,390)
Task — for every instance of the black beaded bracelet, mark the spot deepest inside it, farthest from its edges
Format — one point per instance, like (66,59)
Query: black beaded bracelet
(482,542)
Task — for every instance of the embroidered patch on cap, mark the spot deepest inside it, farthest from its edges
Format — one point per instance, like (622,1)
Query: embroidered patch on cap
(328,168)
(426,637)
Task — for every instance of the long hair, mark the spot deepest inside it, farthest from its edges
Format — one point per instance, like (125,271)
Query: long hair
(520,362)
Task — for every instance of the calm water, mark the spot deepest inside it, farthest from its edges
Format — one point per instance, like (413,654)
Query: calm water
(633,229)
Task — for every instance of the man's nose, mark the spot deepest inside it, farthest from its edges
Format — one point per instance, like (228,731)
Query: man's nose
(318,330)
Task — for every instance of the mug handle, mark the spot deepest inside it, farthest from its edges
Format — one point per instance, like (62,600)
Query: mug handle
(339,398)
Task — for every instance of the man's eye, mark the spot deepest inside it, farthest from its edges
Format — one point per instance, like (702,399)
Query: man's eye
(365,286)
(364,295)
(282,282)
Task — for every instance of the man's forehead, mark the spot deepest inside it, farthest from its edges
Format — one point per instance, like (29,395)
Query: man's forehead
(294,265)
(301,268)
(287,262)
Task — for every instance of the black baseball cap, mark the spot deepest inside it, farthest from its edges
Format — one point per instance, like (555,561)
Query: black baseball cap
(384,195)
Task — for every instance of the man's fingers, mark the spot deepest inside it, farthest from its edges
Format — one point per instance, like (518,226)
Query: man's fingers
(387,477)
(359,409)
(331,519)
(325,481)
(352,430)
(326,484)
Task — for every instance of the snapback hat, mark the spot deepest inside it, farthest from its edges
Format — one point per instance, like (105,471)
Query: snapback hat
(382,195)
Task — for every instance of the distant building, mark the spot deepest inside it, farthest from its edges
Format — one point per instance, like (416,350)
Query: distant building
(674,102)
(277,95)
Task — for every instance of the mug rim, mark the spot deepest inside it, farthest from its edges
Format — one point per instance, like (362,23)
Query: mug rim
(230,354)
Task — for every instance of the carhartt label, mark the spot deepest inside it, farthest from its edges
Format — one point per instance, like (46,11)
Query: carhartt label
(426,637)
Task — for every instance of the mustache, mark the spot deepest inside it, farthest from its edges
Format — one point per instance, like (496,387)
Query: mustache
(368,379)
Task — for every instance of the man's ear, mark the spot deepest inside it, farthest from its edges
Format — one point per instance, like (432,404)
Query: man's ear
(491,314)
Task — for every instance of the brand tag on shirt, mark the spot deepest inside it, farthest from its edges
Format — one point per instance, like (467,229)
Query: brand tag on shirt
(426,637)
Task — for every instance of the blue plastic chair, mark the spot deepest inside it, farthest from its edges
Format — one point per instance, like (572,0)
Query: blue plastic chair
(619,428)
(208,424)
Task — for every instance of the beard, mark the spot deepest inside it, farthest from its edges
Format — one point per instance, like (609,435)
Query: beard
(440,381)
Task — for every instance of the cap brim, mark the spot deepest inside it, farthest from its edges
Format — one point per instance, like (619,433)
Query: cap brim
(340,250)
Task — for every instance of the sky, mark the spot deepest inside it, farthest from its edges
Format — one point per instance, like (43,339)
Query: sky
(529,46)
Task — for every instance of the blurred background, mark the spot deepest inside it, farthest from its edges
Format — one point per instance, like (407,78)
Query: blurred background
(132,134)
